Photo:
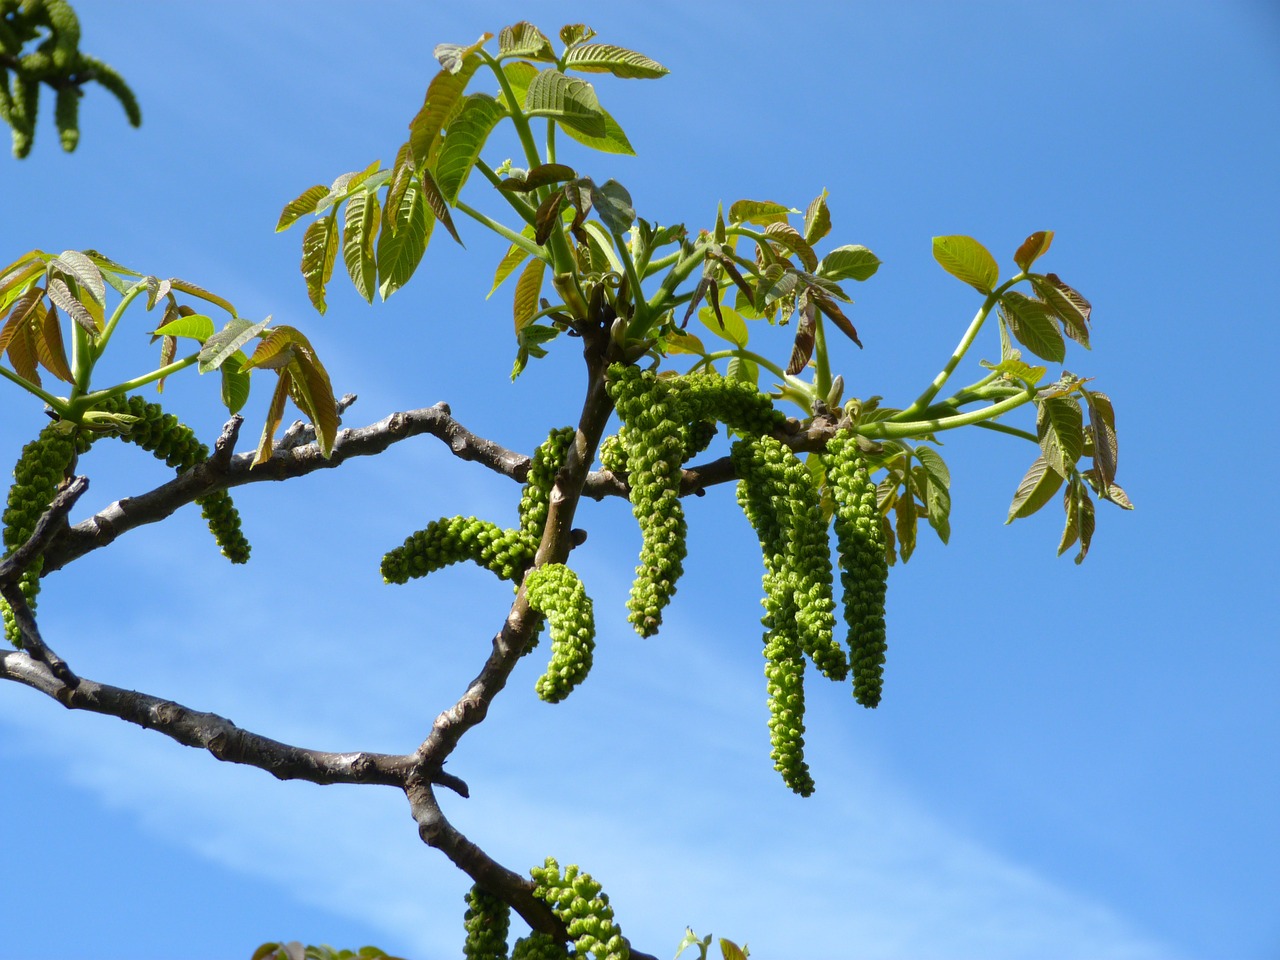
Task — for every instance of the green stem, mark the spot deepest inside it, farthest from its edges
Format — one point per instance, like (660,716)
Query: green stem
(822,376)
(961,349)
(121,388)
(1011,431)
(59,405)
(918,428)
(518,203)
(518,118)
(551,140)
(653,266)
(639,318)
(744,354)
(523,242)
(114,319)
(661,301)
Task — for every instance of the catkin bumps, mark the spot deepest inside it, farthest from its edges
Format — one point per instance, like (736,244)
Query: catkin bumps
(555,591)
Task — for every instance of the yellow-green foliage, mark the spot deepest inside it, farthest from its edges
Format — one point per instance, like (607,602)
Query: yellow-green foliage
(864,569)
(556,591)
(577,900)
(487,920)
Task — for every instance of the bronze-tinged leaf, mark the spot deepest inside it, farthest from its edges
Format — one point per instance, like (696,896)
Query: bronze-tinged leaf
(85,273)
(817,219)
(1060,430)
(1067,305)
(540,176)
(168,350)
(61,295)
(203,294)
(313,393)
(905,515)
(1071,529)
(1034,247)
(275,413)
(802,348)
(528,288)
(789,237)
(444,91)
(1116,495)
(27,309)
(23,352)
(1034,490)
(1085,521)
(547,217)
(1102,428)
(699,292)
(833,312)
(401,177)
(157,290)
(1033,326)
(304,203)
(49,348)
(274,351)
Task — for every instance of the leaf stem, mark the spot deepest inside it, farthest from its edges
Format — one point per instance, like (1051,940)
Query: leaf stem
(887,429)
(524,243)
(519,204)
(743,354)
(114,319)
(653,266)
(58,404)
(822,364)
(136,382)
(518,118)
(660,301)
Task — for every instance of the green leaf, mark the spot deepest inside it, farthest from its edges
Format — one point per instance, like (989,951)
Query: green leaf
(566,99)
(519,75)
(731,951)
(761,212)
(613,140)
(968,260)
(398,254)
(345,185)
(275,413)
(853,260)
(1067,305)
(531,339)
(312,392)
(319,250)
(523,39)
(906,515)
(1060,430)
(84,271)
(1034,490)
(304,203)
(360,226)
(61,295)
(528,288)
(453,56)
(937,503)
(402,175)
(513,258)
(235,383)
(740,368)
(463,142)
(817,219)
(613,204)
(789,237)
(733,329)
(1033,248)
(681,341)
(202,294)
(572,34)
(606,58)
(934,466)
(1033,326)
(444,91)
(439,206)
(1102,428)
(224,344)
(195,326)
(1015,367)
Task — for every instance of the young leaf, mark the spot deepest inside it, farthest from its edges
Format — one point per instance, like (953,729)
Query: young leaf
(528,287)
(540,176)
(789,237)
(733,329)
(530,341)
(463,141)
(319,250)
(937,501)
(1034,490)
(360,225)
(439,206)
(968,260)
(802,346)
(235,383)
(760,212)
(1016,368)
(547,217)
(313,393)
(61,295)
(566,99)
(934,465)
(817,219)
(1067,305)
(613,140)
(444,91)
(833,312)
(613,204)
(399,253)
(402,175)
(19,336)
(304,203)
(905,515)
(1060,430)
(740,368)
(50,350)
(681,341)
(523,39)
(514,256)
(1034,247)
(84,271)
(1102,428)
(202,294)
(224,344)
(195,326)
(275,413)
(854,261)
(572,34)
(606,58)
(1033,326)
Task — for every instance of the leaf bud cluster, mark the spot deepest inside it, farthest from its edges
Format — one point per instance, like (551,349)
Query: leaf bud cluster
(487,920)
(449,540)
(536,496)
(555,591)
(577,900)
(864,569)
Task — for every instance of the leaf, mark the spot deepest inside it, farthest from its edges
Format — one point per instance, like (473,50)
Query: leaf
(540,176)
(734,328)
(312,391)
(740,368)
(27,309)
(402,175)
(224,344)
(514,256)
(84,271)
(1060,430)
(399,253)
(905,515)
(235,383)
(1080,521)
(614,140)
(319,250)
(968,260)
(18,335)
(1102,427)
(854,261)
(547,217)
(1033,326)
(937,501)
(606,58)
(61,295)
(1067,305)
(306,202)
(444,91)
(275,413)
(528,288)
(1034,490)
(202,294)
(761,212)
(463,142)
(566,99)
(802,346)
(681,341)
(157,290)
(530,341)
(817,219)
(833,312)
(613,205)
(1017,369)
(572,34)
(195,326)
(934,465)
(1033,248)
(731,951)
(50,349)
(439,206)
(523,39)
(360,225)
(789,237)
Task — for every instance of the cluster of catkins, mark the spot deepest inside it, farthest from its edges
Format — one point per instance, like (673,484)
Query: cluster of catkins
(577,899)
(56,61)
(552,590)
(46,461)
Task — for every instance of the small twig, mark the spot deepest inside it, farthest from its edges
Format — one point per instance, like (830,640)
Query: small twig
(46,527)
(32,642)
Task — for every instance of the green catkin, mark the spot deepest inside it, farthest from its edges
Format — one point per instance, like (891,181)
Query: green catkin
(449,540)
(547,460)
(654,445)
(23,104)
(41,468)
(613,452)
(168,439)
(487,920)
(66,117)
(864,570)
(539,946)
(555,591)
(113,82)
(735,403)
(577,899)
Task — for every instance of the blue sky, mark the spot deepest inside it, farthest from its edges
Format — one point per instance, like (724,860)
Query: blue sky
(1069,762)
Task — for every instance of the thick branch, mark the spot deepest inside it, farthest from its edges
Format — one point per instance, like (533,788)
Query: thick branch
(222,472)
